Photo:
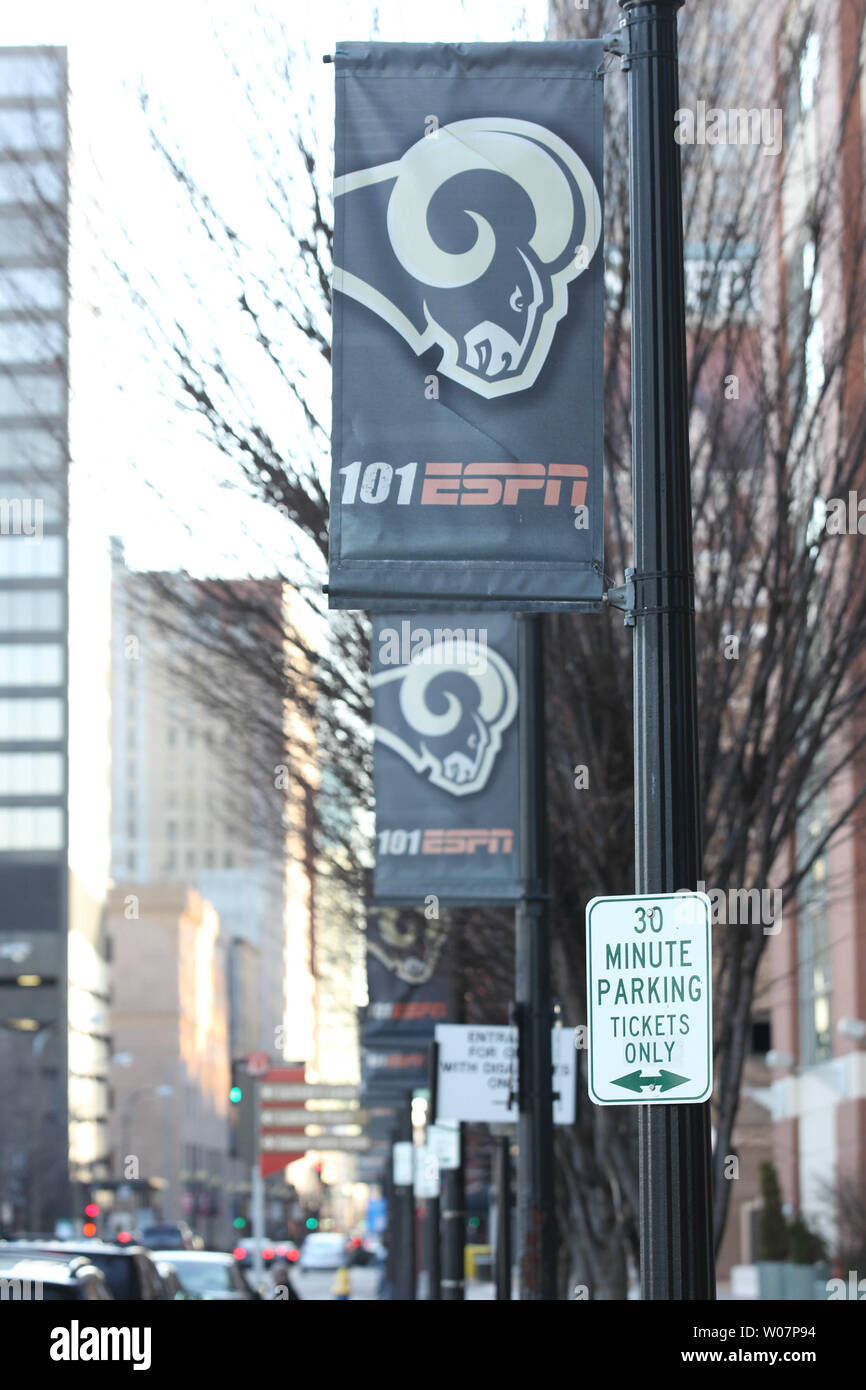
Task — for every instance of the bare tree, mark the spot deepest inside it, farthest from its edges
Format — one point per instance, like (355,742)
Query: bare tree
(771,437)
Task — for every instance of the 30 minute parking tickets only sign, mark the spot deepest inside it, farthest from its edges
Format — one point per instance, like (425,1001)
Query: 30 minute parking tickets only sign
(649,994)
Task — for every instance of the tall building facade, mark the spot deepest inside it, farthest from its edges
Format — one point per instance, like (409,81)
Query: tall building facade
(54,991)
(194,795)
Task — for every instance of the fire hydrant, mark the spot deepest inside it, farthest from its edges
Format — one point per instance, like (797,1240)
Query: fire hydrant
(341,1289)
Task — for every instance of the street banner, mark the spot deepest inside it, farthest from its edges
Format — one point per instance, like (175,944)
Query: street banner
(446,759)
(468,326)
(407,986)
(407,982)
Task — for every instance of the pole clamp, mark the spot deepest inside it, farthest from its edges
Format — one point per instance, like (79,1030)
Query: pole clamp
(621,596)
(673,592)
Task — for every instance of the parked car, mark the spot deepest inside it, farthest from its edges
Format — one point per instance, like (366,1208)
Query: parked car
(323,1250)
(129,1269)
(209,1274)
(271,1250)
(43,1279)
(168,1275)
(168,1235)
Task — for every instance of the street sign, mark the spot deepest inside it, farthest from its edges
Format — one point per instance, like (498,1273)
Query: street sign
(478,1074)
(426,1172)
(321,1143)
(276,1149)
(307,1090)
(649,990)
(274,1116)
(404,1163)
(444,1139)
(258,1063)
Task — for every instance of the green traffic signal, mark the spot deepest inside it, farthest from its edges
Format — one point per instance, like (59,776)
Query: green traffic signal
(235,1095)
(311,1223)
(239,1223)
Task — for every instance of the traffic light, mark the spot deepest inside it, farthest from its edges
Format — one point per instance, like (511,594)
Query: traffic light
(311,1223)
(242,1116)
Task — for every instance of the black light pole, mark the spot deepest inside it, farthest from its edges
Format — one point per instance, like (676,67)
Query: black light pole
(404,1201)
(675,1185)
(534,1014)
(452,1217)
(503,1219)
(433,1239)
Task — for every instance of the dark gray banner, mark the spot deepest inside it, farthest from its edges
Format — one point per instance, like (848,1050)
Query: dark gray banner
(468,327)
(446,766)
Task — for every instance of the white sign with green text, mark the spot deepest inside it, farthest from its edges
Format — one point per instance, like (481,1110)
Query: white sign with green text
(649,993)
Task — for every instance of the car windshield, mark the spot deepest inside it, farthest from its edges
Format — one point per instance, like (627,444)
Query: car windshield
(118,1270)
(205,1276)
(162,1236)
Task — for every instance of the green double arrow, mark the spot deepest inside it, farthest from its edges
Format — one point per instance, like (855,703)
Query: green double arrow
(665,1081)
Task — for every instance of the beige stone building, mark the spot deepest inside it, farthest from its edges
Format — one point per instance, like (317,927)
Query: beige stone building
(171,1075)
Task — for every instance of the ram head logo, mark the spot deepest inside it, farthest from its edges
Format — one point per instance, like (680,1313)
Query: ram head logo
(469,243)
(447,721)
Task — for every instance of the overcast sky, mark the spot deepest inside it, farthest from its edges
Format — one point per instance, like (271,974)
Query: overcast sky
(149,477)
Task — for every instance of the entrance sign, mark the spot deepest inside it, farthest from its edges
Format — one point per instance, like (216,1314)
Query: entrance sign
(446,759)
(649,994)
(468,326)
(478,1074)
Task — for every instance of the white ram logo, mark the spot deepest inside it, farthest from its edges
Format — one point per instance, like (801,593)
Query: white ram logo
(447,721)
(486,223)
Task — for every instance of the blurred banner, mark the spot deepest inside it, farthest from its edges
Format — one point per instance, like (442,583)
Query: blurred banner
(445,760)
(468,320)
(407,986)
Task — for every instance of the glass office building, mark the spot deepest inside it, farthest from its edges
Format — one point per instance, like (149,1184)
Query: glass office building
(53,975)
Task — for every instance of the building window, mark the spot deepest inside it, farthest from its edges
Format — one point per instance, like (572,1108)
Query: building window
(31,827)
(810,62)
(31,393)
(33,75)
(171,830)
(171,737)
(28,557)
(190,859)
(25,719)
(813,936)
(24,341)
(32,181)
(37,128)
(26,610)
(31,774)
(30,664)
(26,448)
(32,287)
